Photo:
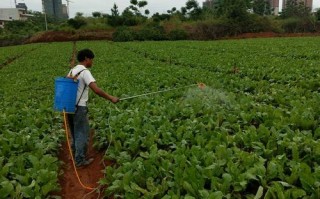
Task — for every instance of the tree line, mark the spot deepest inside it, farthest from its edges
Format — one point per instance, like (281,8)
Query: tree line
(224,18)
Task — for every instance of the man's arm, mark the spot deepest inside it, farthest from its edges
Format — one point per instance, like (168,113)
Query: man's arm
(101,93)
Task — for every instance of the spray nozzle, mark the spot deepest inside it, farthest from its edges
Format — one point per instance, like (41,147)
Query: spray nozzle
(201,85)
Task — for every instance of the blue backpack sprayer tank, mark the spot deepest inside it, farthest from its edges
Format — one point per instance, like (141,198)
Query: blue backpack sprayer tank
(65,94)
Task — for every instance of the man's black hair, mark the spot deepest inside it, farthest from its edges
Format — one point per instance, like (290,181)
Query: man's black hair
(85,53)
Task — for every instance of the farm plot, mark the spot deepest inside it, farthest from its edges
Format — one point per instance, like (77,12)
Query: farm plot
(251,132)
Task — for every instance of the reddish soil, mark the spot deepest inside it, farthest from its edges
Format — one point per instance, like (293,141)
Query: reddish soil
(60,36)
(89,175)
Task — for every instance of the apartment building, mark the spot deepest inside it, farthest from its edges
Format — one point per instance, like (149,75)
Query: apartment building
(55,8)
(274,4)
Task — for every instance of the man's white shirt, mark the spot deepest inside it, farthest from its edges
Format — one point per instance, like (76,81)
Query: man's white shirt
(85,78)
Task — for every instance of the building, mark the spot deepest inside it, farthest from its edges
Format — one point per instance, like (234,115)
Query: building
(307,3)
(22,6)
(55,8)
(12,14)
(274,4)
(65,11)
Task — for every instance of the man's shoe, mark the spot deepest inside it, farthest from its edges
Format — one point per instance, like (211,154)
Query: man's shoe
(84,163)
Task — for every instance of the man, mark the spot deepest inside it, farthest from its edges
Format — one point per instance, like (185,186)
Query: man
(78,122)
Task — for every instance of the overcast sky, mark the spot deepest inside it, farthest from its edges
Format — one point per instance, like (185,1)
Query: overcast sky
(89,6)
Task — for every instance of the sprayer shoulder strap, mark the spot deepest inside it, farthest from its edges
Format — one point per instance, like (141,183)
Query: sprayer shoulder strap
(85,86)
(76,76)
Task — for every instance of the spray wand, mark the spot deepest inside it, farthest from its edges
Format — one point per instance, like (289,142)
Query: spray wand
(200,86)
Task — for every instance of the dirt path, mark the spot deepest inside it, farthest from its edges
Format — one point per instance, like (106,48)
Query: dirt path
(89,175)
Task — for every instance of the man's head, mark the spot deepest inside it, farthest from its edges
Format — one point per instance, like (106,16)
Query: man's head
(85,57)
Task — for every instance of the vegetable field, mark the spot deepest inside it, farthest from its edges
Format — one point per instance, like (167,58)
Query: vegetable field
(252,132)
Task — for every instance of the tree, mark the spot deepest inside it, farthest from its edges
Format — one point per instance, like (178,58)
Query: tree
(184,10)
(136,6)
(77,23)
(129,17)
(295,9)
(142,4)
(318,14)
(79,14)
(192,10)
(261,7)
(298,17)
(115,19)
(96,14)
(172,11)
(160,17)
(232,8)
(132,15)
(115,11)
(38,20)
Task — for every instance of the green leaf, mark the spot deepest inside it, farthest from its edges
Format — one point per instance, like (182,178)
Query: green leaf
(6,189)
(272,169)
(216,195)
(259,193)
(204,193)
(306,178)
(47,188)
(27,191)
(116,185)
(189,197)
(34,161)
(136,187)
(23,179)
(275,191)
(227,177)
(188,187)
(285,184)
(144,155)
(5,169)
(298,193)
